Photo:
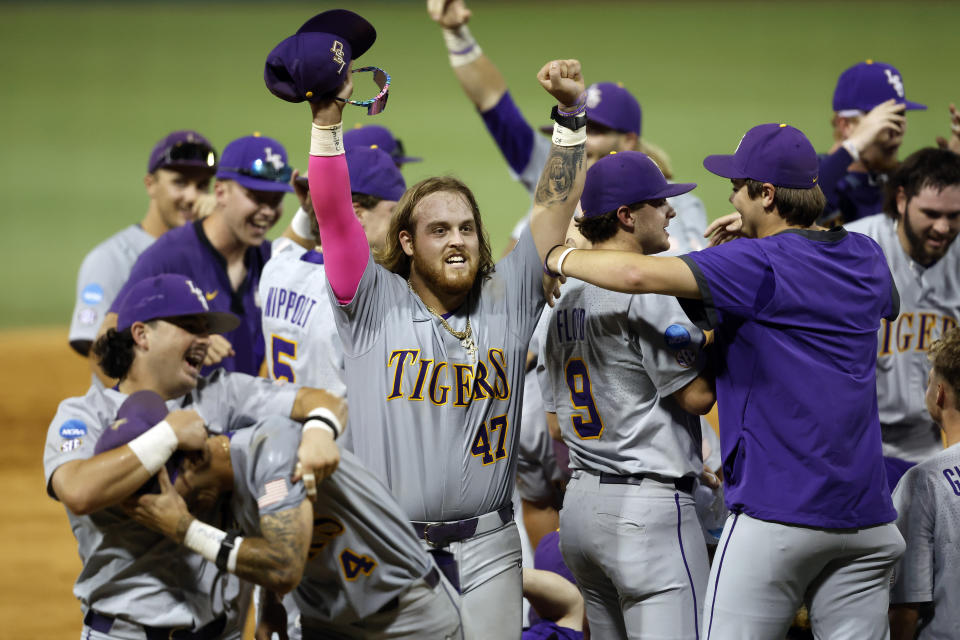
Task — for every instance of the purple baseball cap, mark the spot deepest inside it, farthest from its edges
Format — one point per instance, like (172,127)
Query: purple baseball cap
(610,105)
(141,411)
(774,153)
(373,135)
(625,178)
(867,84)
(373,172)
(183,149)
(170,295)
(256,162)
(312,63)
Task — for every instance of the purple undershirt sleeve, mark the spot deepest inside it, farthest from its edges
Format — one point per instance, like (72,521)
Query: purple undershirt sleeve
(513,135)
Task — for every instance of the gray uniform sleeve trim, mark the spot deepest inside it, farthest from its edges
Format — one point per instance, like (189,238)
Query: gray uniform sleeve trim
(701,312)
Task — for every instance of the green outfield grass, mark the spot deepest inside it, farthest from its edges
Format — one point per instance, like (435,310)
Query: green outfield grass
(88,88)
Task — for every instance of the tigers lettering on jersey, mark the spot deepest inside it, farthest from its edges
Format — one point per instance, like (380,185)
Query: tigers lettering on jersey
(913,331)
(289,305)
(441,381)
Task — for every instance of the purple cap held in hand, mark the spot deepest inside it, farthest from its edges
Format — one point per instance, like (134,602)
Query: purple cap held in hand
(257,163)
(774,153)
(625,178)
(313,63)
(867,84)
(612,106)
(373,173)
(141,411)
(183,149)
(170,295)
(373,135)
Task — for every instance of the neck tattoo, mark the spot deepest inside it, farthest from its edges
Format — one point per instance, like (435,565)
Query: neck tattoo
(465,337)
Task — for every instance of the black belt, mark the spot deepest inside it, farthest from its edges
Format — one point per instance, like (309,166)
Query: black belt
(685,484)
(102,624)
(443,533)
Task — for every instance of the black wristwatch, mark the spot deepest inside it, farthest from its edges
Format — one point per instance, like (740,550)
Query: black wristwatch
(226,546)
(570,122)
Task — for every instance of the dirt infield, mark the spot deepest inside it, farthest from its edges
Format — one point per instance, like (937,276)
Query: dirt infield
(38,553)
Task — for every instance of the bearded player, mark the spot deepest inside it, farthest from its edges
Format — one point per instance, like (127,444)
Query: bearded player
(435,341)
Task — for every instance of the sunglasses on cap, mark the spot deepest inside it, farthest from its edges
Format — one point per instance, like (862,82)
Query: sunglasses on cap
(186,153)
(264,171)
(377,103)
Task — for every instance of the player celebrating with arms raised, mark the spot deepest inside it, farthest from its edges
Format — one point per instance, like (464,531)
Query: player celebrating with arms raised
(796,311)
(435,342)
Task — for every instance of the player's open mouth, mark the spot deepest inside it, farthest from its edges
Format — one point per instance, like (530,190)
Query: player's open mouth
(456,260)
(194,360)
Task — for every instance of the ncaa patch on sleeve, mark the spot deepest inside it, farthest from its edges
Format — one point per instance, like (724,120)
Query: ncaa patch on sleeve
(72,429)
(92,294)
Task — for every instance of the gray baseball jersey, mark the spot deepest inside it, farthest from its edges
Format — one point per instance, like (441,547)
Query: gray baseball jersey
(298,326)
(686,230)
(439,429)
(102,274)
(608,371)
(128,571)
(929,306)
(364,551)
(927,500)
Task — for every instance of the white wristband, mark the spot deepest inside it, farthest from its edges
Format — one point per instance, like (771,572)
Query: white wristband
(232,558)
(461,45)
(204,539)
(323,418)
(301,225)
(851,149)
(563,256)
(326,140)
(563,137)
(154,446)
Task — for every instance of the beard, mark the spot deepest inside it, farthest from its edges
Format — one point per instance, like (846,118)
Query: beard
(918,248)
(439,281)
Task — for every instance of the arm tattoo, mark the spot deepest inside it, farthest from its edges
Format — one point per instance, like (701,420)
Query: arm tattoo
(559,175)
(274,559)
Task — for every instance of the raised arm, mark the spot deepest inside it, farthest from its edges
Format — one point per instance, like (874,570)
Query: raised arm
(562,180)
(346,251)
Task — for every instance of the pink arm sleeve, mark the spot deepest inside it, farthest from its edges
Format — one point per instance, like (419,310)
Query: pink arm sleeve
(345,248)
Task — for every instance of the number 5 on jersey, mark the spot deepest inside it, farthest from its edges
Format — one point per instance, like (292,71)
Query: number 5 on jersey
(282,369)
(581,397)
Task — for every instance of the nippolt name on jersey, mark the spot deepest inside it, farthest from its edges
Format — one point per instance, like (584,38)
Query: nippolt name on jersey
(570,324)
(443,382)
(289,306)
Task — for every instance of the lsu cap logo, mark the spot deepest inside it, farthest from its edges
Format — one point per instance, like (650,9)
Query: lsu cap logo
(92,294)
(73,429)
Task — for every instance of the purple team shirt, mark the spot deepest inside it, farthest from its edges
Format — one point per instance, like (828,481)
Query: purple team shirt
(796,317)
(188,251)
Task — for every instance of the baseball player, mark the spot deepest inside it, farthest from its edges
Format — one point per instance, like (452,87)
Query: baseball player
(622,378)
(917,233)
(927,499)
(378,137)
(811,516)
(613,121)
(868,126)
(302,340)
(132,582)
(435,339)
(178,172)
(224,253)
(366,576)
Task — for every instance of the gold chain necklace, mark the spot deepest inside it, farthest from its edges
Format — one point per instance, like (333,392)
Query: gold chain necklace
(465,337)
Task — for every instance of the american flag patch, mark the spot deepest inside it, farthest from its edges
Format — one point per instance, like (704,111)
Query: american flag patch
(273,492)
